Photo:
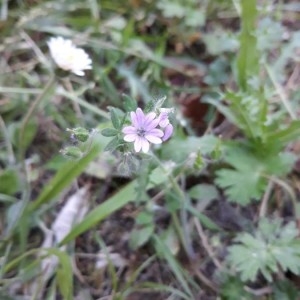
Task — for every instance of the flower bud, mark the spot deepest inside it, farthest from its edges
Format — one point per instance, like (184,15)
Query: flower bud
(81,134)
(72,151)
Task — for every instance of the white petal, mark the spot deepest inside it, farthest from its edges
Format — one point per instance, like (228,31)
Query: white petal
(78,72)
(130,137)
(68,57)
(138,144)
(145,145)
(153,139)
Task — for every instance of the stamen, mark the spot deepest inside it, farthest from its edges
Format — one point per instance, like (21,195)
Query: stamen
(141,132)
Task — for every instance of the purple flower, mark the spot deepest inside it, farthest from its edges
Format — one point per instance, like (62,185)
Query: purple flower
(165,124)
(168,130)
(143,130)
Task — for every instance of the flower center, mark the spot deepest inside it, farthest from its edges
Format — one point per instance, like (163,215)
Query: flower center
(141,132)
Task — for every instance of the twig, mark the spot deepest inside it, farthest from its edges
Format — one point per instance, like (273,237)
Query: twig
(289,190)
(206,245)
(264,203)
(258,292)
(206,281)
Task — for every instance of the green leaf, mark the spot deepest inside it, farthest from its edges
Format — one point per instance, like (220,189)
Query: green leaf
(244,182)
(144,218)
(247,61)
(247,178)
(271,245)
(64,273)
(63,178)
(185,146)
(241,185)
(284,136)
(115,118)
(285,290)
(129,103)
(233,289)
(113,144)
(9,182)
(121,198)
(205,192)
(205,221)
(72,152)
(140,236)
(108,132)
(28,134)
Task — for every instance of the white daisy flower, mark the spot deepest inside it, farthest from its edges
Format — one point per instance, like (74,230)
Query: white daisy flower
(68,57)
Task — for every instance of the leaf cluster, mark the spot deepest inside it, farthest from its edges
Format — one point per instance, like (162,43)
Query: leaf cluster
(248,177)
(273,247)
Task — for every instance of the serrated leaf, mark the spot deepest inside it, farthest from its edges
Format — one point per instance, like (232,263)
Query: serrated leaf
(233,289)
(240,185)
(266,250)
(246,180)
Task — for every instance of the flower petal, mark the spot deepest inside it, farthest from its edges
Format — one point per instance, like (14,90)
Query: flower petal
(153,139)
(145,145)
(130,137)
(138,144)
(149,118)
(134,120)
(129,130)
(163,119)
(140,117)
(168,132)
(151,125)
(68,57)
(155,132)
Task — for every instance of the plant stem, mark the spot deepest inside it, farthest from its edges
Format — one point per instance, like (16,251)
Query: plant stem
(264,203)
(29,114)
(182,197)
(10,151)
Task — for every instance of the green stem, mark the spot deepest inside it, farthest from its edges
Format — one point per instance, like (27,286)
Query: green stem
(10,151)
(29,114)
(21,147)
(182,198)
